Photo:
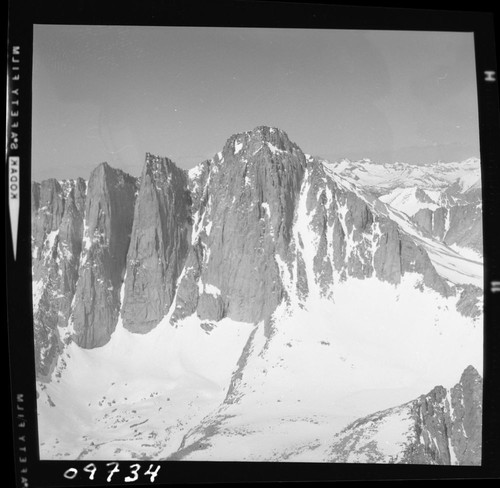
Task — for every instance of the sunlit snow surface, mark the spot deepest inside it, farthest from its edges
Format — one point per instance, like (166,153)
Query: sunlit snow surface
(133,397)
(405,199)
(324,366)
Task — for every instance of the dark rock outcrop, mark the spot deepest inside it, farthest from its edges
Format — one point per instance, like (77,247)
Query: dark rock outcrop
(243,216)
(443,427)
(448,424)
(470,301)
(398,254)
(439,223)
(57,230)
(464,222)
(424,219)
(364,241)
(158,245)
(108,223)
(466,227)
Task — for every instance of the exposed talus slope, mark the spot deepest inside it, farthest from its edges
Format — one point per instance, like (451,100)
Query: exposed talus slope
(245,199)
(57,230)
(108,222)
(158,245)
(442,427)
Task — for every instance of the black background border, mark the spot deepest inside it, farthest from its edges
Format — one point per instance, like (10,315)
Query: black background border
(241,13)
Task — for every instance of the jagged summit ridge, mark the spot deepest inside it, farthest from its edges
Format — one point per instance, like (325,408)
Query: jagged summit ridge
(258,225)
(262,138)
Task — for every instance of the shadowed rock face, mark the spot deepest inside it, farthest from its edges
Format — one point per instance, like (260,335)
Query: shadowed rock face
(442,427)
(243,216)
(424,218)
(57,231)
(459,218)
(466,227)
(159,244)
(398,254)
(464,224)
(108,223)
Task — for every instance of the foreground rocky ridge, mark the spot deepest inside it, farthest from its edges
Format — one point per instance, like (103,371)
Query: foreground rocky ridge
(259,225)
(442,427)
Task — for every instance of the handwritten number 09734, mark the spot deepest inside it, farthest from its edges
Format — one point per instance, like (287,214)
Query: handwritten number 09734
(91,468)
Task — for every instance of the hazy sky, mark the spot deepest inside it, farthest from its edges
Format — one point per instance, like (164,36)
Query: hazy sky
(110,93)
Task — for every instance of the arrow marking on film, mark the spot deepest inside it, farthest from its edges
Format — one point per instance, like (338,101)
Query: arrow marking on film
(14,199)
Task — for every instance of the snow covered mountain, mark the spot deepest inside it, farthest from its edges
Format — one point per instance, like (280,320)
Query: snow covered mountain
(247,309)
(384,177)
(444,199)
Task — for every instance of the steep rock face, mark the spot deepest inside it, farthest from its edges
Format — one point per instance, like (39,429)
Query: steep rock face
(424,219)
(57,229)
(243,216)
(465,228)
(442,427)
(398,254)
(467,418)
(159,244)
(357,240)
(439,223)
(47,206)
(448,424)
(257,225)
(343,225)
(458,224)
(270,225)
(108,222)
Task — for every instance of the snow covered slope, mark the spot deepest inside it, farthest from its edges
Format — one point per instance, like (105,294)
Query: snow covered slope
(323,366)
(134,397)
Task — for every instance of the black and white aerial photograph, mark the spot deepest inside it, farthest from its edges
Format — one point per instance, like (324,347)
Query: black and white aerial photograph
(256,244)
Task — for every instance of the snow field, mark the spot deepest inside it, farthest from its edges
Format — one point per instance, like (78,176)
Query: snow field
(169,377)
(376,347)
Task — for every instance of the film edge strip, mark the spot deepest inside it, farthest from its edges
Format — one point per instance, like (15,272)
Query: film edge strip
(12,138)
